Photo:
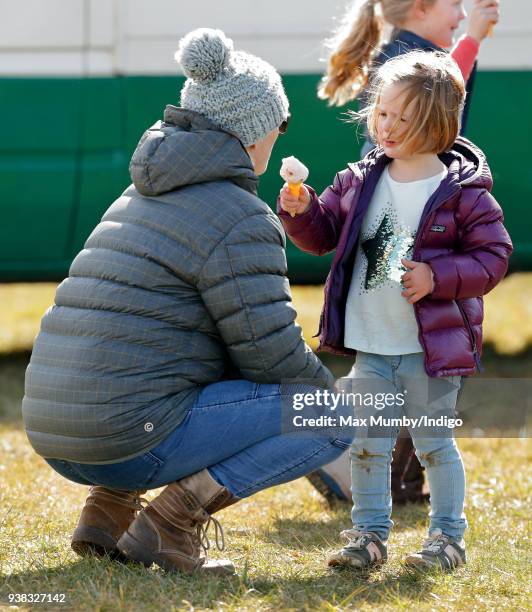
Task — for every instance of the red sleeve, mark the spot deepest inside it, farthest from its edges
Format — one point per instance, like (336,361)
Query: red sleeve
(465,53)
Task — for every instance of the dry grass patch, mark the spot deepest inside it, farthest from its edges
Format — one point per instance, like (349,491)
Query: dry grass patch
(22,306)
(279,540)
(508,313)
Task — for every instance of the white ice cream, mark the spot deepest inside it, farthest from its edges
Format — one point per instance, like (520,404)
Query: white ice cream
(293,171)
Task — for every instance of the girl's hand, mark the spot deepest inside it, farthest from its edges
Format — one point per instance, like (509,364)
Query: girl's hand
(292,205)
(484,15)
(418,281)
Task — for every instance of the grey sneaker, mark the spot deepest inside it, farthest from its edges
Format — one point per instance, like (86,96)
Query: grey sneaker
(439,551)
(362,550)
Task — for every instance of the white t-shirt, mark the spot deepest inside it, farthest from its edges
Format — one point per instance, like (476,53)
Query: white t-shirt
(378,319)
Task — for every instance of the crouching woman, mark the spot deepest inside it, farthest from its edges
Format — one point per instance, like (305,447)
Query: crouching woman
(161,360)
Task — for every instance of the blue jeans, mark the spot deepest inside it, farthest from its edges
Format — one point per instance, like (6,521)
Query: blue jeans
(371,449)
(235,430)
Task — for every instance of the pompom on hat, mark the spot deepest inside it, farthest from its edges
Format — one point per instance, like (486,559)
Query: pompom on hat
(241,93)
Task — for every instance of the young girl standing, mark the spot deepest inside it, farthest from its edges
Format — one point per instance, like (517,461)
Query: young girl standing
(421,198)
(372,33)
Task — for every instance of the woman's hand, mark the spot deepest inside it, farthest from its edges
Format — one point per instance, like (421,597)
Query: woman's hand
(292,205)
(484,15)
(418,281)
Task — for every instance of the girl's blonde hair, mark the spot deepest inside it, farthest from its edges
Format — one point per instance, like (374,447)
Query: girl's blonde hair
(435,85)
(357,41)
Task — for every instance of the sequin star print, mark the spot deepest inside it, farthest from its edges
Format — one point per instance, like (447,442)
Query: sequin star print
(384,251)
(401,244)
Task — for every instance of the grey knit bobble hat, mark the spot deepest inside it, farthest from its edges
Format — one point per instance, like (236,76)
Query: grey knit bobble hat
(241,93)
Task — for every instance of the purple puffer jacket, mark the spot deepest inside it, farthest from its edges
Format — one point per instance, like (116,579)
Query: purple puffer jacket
(461,236)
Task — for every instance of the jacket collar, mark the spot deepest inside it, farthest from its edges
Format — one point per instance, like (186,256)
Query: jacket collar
(413,40)
(465,163)
(374,160)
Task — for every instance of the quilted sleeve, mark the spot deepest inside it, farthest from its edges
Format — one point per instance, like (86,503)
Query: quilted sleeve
(482,260)
(245,289)
(316,231)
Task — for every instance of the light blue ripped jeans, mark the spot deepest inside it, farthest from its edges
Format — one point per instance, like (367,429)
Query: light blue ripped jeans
(371,449)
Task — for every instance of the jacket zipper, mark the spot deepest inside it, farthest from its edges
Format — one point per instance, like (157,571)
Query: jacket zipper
(322,314)
(323,317)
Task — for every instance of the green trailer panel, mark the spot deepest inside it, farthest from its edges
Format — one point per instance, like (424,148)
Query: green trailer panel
(67,142)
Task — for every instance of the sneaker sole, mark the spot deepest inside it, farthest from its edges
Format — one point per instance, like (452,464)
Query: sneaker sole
(346,562)
(418,562)
(134,550)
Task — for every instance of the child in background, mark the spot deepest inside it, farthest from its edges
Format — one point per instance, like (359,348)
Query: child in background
(430,25)
(429,191)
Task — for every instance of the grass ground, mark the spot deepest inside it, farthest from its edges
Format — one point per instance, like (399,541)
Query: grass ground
(280,538)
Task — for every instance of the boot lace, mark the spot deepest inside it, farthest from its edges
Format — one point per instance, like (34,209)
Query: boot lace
(201,532)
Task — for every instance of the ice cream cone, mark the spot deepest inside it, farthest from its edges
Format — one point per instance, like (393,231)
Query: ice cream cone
(489,34)
(294,173)
(295,188)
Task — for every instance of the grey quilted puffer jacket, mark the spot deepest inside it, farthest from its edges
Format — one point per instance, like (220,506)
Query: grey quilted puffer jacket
(182,284)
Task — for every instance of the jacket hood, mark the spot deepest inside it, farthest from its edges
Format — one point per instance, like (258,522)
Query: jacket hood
(186,148)
(466,163)
(473,169)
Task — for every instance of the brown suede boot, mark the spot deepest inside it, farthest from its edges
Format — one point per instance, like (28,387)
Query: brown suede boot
(106,515)
(172,529)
